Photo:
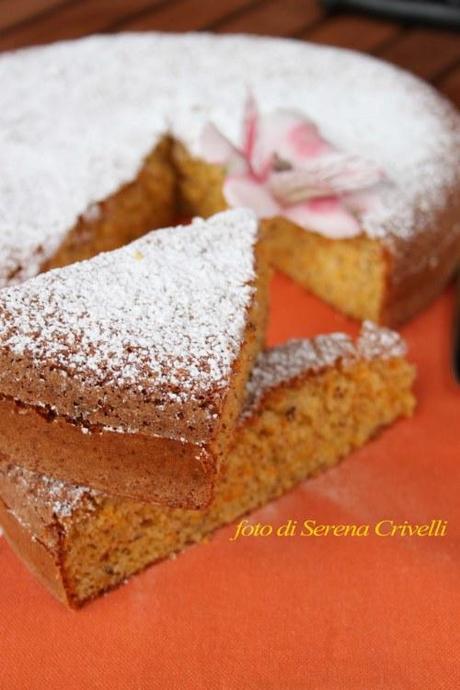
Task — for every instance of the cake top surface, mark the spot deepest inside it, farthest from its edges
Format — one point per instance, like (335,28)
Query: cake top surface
(277,366)
(104,102)
(159,322)
(297,358)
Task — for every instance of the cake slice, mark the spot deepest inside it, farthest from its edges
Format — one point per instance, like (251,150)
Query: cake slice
(127,372)
(309,403)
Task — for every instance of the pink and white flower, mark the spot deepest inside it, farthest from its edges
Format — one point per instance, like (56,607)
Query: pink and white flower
(284,167)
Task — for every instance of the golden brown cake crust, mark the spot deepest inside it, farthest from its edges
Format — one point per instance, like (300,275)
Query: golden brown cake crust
(151,468)
(419,268)
(43,562)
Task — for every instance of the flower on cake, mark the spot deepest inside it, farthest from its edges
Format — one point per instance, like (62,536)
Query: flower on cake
(285,167)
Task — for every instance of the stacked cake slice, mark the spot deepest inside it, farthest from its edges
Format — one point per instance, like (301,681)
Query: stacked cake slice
(127,372)
(140,411)
(308,403)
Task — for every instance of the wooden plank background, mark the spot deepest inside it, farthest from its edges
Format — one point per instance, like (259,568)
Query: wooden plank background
(432,53)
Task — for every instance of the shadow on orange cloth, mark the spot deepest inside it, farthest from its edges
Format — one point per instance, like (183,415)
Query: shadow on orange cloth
(319,612)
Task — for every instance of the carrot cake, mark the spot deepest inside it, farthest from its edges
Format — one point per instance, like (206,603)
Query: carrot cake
(127,372)
(353,164)
(308,404)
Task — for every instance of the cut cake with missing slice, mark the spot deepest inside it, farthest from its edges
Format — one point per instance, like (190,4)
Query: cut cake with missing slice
(124,147)
(127,372)
(309,403)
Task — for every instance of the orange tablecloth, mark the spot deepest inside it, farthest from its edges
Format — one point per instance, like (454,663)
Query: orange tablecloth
(283,613)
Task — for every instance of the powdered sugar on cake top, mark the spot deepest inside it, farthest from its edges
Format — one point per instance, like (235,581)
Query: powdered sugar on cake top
(36,501)
(167,312)
(376,341)
(280,365)
(77,119)
(61,498)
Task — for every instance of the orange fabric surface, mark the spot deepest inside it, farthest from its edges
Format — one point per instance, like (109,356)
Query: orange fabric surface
(324,612)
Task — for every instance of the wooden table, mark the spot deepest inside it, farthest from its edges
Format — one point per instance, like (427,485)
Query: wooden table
(433,54)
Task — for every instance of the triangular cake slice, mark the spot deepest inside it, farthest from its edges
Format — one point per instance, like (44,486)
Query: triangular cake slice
(309,403)
(127,372)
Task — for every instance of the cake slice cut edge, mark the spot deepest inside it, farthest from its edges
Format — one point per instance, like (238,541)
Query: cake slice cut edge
(127,372)
(308,404)
(385,279)
(144,203)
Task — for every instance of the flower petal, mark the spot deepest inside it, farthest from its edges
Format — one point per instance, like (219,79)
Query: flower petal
(246,192)
(216,148)
(250,125)
(334,174)
(365,200)
(325,216)
(286,135)
(297,184)
(344,172)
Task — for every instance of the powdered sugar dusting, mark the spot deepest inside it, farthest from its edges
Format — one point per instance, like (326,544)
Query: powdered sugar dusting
(103,103)
(60,497)
(279,365)
(167,312)
(377,341)
(296,357)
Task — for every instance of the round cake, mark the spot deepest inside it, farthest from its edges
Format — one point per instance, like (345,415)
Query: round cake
(105,138)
